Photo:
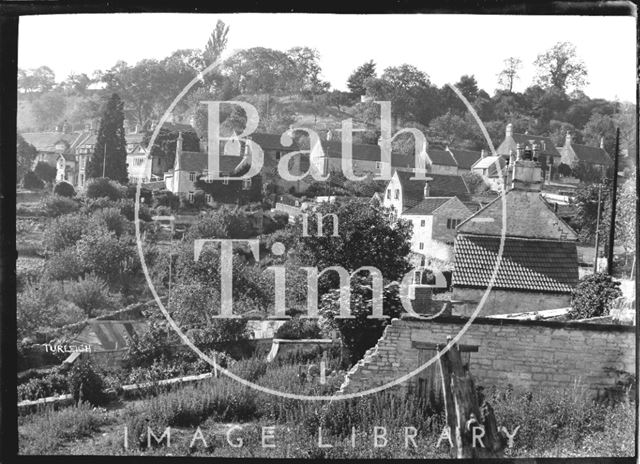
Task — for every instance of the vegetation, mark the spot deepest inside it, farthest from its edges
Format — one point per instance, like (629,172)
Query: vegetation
(593,296)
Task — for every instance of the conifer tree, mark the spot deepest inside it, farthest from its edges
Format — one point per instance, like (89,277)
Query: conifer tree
(111,145)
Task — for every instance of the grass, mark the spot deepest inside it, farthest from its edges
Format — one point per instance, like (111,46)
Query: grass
(44,432)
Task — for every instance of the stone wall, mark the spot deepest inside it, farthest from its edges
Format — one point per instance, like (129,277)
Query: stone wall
(525,354)
(507,301)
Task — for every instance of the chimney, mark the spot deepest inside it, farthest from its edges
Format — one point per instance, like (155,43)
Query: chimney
(526,173)
(567,139)
(329,135)
(509,132)
(518,152)
(136,129)
(425,192)
(483,153)
(535,149)
(602,142)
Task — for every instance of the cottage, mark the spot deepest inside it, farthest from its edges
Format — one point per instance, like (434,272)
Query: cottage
(548,156)
(434,207)
(596,157)
(539,264)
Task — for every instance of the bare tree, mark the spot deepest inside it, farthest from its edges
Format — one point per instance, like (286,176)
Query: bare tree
(509,74)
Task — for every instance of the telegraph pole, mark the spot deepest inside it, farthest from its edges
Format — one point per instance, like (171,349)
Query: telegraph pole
(614,201)
(104,160)
(595,259)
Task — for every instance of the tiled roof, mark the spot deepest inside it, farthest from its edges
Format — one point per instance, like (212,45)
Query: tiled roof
(489,162)
(465,158)
(366,152)
(591,155)
(271,142)
(528,216)
(427,206)
(545,144)
(441,157)
(439,186)
(534,265)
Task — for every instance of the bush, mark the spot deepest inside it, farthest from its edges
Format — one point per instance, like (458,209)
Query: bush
(102,253)
(109,219)
(63,232)
(91,294)
(45,171)
(146,195)
(32,181)
(56,205)
(54,383)
(153,345)
(105,187)
(128,210)
(297,328)
(85,384)
(63,265)
(593,296)
(166,198)
(64,189)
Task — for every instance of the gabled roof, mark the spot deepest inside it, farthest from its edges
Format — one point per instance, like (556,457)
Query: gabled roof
(194,161)
(441,157)
(366,152)
(427,206)
(528,216)
(489,162)
(465,158)
(47,141)
(530,265)
(271,142)
(591,155)
(545,144)
(439,186)
(134,137)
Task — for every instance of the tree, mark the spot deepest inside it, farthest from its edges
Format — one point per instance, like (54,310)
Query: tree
(104,187)
(305,60)
(41,79)
(593,296)
(448,129)
(31,181)
(164,145)
(357,79)
(600,126)
(626,215)
(48,108)
(25,155)
(217,43)
(261,70)
(45,171)
(110,156)
(509,74)
(561,68)
(586,204)
(64,189)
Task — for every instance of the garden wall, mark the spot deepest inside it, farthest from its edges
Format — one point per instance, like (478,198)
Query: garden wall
(528,354)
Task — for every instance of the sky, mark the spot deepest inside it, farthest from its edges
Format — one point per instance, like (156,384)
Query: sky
(443,46)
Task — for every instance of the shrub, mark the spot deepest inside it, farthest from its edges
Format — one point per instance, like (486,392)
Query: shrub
(166,198)
(105,187)
(55,206)
(64,189)
(593,296)
(297,328)
(63,265)
(32,181)
(109,219)
(565,170)
(102,253)
(45,171)
(153,345)
(91,294)
(54,383)
(146,195)
(199,199)
(94,204)
(64,232)
(128,210)
(85,384)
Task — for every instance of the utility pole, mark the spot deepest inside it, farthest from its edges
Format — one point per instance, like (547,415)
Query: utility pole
(104,160)
(614,201)
(595,259)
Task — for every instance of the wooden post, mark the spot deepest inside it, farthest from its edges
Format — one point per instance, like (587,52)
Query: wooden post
(614,202)
(473,429)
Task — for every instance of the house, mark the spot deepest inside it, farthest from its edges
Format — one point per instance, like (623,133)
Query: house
(596,157)
(190,166)
(450,161)
(433,207)
(538,268)
(547,154)
(491,168)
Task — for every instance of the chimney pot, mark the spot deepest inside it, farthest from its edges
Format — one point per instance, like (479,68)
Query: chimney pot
(426,190)
(518,152)
(602,142)
(568,138)
(509,130)
(483,153)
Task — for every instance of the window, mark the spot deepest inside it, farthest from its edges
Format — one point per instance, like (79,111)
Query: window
(81,179)
(421,245)
(278,155)
(378,164)
(208,197)
(422,223)
(246,184)
(453,223)
(192,176)
(388,194)
(397,194)
(225,181)
(190,196)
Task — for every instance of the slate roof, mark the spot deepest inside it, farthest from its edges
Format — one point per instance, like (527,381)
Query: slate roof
(439,186)
(46,141)
(441,157)
(366,152)
(490,163)
(427,206)
(465,158)
(271,142)
(591,155)
(194,161)
(530,265)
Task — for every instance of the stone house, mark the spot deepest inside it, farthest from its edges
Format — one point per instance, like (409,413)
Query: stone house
(434,207)
(573,153)
(539,265)
(547,154)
